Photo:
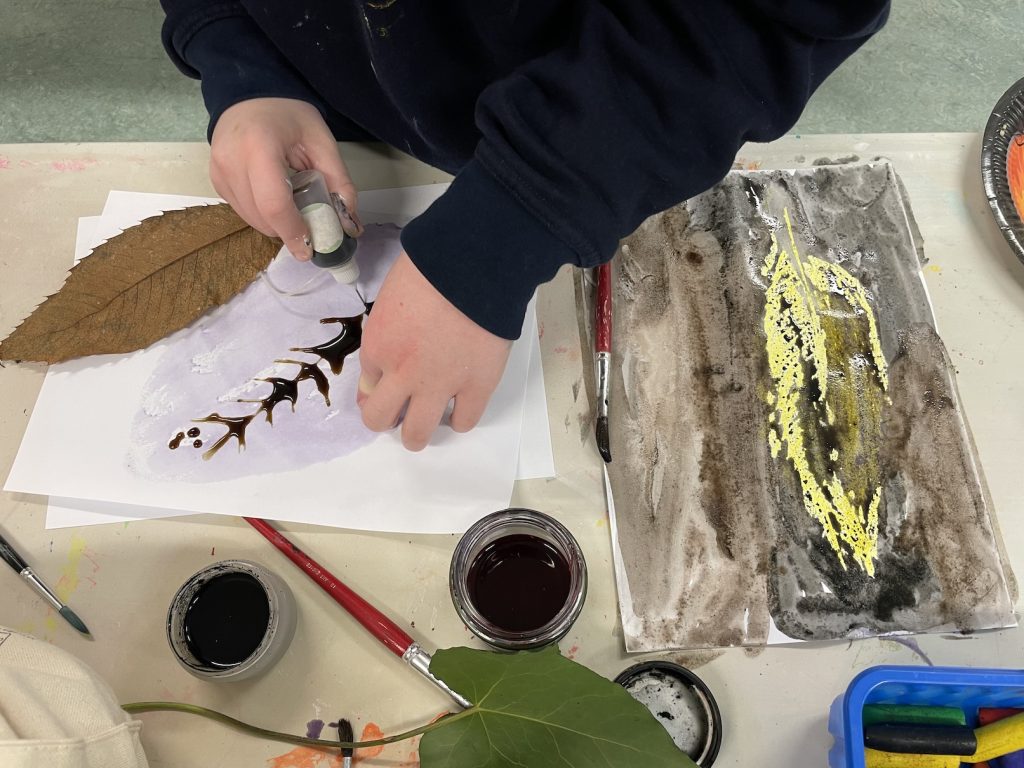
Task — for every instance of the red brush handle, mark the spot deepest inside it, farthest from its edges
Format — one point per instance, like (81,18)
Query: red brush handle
(603,318)
(379,625)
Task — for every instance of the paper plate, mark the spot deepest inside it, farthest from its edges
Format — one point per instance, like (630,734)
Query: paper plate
(1002,165)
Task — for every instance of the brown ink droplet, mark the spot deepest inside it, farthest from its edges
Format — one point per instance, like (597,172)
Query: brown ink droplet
(197,443)
(236,428)
(311,371)
(283,389)
(194,432)
(341,346)
(176,441)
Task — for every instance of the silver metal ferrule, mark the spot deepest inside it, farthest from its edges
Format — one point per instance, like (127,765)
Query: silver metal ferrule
(41,588)
(603,366)
(419,659)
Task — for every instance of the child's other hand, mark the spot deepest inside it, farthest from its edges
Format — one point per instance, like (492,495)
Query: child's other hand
(254,144)
(418,349)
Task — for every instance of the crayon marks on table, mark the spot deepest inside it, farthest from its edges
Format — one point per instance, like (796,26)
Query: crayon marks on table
(71,575)
(399,755)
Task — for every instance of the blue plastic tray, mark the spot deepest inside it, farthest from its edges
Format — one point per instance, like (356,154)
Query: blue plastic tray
(962,687)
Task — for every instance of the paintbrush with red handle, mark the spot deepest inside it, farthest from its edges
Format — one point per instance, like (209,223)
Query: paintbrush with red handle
(380,626)
(603,350)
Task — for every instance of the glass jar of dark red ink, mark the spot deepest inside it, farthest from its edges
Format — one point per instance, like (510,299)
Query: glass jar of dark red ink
(518,579)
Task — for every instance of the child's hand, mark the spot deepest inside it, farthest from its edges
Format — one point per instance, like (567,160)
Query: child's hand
(254,144)
(417,348)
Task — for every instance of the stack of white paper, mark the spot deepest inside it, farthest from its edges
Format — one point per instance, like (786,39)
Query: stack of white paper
(97,442)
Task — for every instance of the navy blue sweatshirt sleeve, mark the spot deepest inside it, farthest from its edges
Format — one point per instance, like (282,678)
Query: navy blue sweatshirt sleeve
(646,109)
(634,106)
(220,44)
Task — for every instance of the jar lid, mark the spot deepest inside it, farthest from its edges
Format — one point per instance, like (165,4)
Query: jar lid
(682,703)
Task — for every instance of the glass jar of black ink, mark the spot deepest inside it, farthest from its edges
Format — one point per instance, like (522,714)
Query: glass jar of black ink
(232,620)
(518,579)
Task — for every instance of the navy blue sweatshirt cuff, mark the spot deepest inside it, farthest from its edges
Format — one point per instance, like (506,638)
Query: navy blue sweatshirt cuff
(232,56)
(483,251)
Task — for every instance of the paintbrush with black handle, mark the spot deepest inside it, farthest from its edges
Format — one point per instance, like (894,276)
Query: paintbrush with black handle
(345,734)
(17,562)
(603,350)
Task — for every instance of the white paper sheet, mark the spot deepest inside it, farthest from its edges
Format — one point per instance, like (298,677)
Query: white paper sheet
(443,489)
(399,206)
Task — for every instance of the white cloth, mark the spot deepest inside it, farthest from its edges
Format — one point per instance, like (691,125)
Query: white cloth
(55,712)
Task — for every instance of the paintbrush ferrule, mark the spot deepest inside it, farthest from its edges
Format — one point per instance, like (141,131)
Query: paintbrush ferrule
(419,659)
(37,584)
(602,367)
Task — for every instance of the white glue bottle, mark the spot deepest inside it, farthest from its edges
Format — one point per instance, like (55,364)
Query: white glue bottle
(333,249)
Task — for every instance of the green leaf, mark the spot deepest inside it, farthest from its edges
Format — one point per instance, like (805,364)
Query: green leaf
(537,709)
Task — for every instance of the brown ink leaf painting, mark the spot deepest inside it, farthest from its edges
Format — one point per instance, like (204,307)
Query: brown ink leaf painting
(791,458)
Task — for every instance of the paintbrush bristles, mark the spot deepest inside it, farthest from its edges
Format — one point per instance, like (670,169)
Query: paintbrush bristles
(72,618)
(345,734)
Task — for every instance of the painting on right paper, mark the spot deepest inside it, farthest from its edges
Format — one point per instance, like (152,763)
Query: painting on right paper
(791,459)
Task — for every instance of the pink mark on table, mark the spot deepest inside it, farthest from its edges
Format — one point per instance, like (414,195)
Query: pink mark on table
(5,163)
(186,694)
(561,350)
(75,165)
(571,653)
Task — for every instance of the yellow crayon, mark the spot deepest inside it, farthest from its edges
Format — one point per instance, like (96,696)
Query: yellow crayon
(874,758)
(998,739)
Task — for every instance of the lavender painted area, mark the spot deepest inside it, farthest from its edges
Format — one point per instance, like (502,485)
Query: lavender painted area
(219,360)
(314,728)
(913,645)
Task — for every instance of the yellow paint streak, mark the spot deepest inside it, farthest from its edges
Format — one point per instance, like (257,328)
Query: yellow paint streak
(69,578)
(830,377)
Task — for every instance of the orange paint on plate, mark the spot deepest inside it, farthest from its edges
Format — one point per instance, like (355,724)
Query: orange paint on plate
(371,732)
(305,757)
(1015,172)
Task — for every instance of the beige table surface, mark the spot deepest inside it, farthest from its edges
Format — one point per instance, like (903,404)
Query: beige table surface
(121,577)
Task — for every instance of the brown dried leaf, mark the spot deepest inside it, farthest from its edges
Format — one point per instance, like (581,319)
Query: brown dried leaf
(147,282)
